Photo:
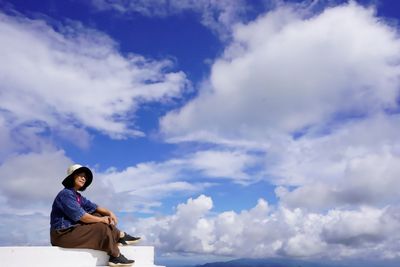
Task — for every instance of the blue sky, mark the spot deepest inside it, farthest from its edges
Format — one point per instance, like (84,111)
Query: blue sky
(209,125)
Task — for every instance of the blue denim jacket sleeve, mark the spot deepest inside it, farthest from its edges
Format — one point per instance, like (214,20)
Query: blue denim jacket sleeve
(88,206)
(70,205)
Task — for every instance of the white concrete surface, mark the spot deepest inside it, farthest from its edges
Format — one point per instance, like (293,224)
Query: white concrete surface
(61,257)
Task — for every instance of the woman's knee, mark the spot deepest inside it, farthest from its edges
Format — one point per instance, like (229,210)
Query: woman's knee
(99,227)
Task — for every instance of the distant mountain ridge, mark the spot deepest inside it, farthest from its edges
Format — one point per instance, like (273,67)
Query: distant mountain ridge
(269,263)
(276,262)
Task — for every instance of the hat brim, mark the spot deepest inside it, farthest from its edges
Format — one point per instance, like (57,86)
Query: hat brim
(70,178)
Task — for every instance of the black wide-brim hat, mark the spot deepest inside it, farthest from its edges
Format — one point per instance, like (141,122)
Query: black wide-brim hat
(74,169)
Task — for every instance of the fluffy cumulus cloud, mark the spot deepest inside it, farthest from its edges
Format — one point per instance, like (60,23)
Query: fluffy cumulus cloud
(284,73)
(267,231)
(309,93)
(355,165)
(322,106)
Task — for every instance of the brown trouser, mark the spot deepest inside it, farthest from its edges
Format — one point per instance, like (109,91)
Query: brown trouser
(98,236)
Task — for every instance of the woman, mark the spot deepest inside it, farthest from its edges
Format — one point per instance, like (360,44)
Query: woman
(76,222)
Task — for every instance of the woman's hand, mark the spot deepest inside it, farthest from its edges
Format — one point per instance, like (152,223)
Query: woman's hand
(106,220)
(113,218)
(108,213)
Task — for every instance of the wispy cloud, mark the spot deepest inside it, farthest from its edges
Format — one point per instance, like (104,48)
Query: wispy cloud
(137,188)
(147,183)
(219,16)
(74,79)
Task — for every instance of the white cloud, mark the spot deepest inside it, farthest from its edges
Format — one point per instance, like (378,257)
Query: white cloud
(274,231)
(31,181)
(283,73)
(315,98)
(368,233)
(356,164)
(24,230)
(5,139)
(224,164)
(142,187)
(187,230)
(349,228)
(211,163)
(75,78)
(219,16)
(337,182)
(36,178)
(62,83)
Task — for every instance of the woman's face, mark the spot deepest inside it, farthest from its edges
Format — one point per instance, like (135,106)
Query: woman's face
(80,180)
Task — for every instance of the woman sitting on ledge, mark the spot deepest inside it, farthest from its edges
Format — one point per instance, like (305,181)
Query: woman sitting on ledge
(76,222)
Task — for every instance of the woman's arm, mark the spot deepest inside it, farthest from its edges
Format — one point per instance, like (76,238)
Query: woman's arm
(88,218)
(106,212)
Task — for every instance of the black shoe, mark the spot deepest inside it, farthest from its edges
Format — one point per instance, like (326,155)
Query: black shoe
(128,240)
(120,261)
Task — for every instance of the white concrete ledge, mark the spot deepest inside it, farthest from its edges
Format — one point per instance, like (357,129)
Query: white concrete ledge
(62,257)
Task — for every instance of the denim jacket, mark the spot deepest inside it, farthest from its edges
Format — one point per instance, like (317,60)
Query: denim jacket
(67,210)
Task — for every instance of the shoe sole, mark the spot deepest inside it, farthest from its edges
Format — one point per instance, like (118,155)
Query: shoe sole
(119,264)
(129,243)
